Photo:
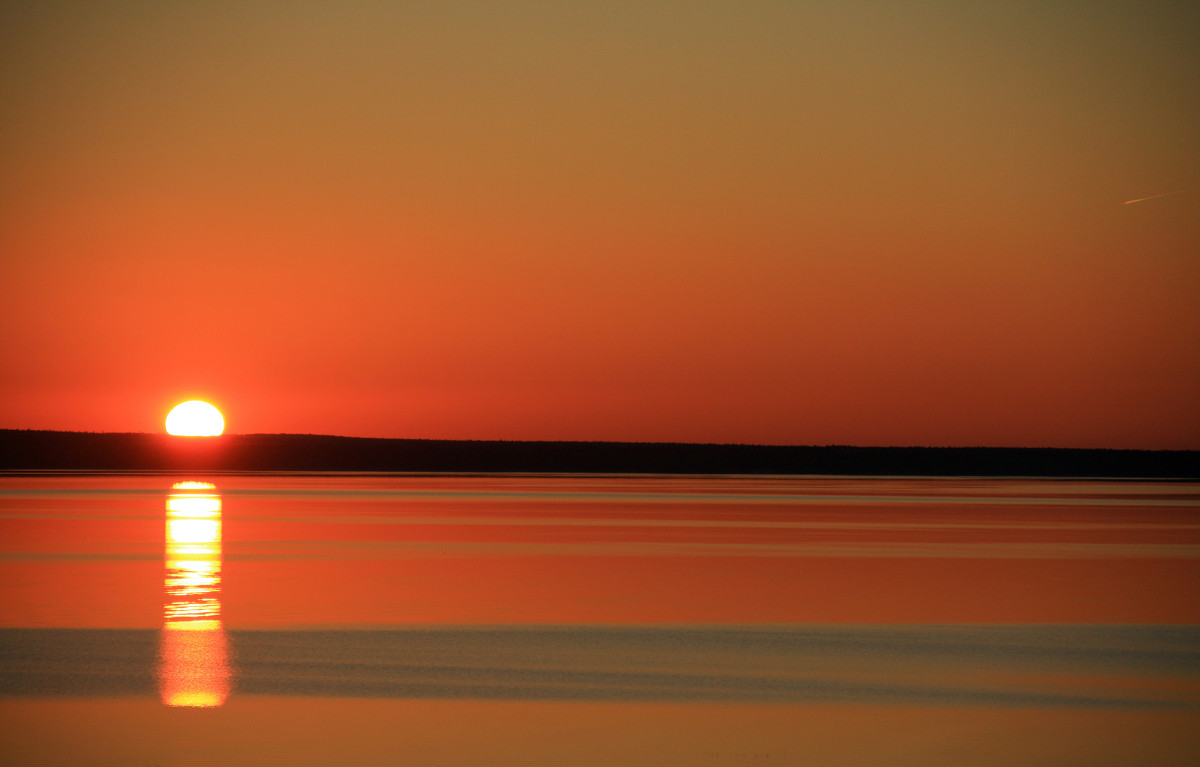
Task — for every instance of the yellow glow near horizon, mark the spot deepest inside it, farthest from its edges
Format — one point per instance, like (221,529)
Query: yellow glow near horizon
(195,418)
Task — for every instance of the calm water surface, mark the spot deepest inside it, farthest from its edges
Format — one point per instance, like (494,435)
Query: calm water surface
(397,619)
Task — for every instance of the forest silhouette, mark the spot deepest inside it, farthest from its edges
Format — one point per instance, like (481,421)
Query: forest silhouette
(32,450)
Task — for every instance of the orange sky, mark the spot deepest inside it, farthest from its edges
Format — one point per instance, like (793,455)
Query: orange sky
(792,223)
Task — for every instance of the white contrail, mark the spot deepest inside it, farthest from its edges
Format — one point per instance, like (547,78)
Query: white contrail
(1156,196)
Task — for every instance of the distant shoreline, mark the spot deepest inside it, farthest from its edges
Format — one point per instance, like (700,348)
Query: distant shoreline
(33,450)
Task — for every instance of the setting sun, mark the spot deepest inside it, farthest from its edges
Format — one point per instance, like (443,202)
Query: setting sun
(195,419)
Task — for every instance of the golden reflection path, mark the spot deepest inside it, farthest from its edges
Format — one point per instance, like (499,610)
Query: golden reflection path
(194,668)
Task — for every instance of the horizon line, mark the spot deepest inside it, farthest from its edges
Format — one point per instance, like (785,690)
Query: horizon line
(615,442)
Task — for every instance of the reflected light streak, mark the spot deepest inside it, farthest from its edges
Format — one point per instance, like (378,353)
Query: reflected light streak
(195,507)
(194,668)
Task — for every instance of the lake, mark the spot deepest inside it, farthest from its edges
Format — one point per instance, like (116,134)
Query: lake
(153,619)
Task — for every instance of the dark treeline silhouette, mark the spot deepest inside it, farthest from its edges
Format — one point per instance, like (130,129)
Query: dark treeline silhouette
(24,450)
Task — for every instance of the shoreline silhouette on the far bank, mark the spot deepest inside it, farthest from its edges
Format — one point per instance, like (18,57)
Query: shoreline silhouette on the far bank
(34,450)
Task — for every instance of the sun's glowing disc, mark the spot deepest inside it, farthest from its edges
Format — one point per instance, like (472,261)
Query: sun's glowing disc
(195,419)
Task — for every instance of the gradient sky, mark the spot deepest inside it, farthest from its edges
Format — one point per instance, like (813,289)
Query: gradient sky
(801,222)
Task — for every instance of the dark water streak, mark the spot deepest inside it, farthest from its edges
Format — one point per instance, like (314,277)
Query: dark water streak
(988,665)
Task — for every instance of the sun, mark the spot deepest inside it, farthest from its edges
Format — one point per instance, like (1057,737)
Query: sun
(195,419)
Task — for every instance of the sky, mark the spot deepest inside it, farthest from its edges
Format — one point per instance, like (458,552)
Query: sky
(866,223)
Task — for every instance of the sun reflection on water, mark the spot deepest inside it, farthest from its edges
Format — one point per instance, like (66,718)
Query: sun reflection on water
(194,668)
